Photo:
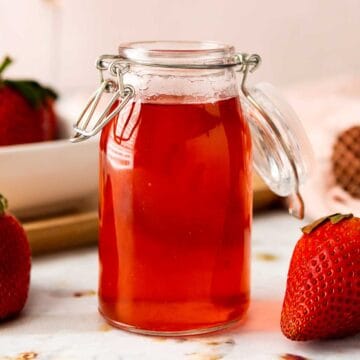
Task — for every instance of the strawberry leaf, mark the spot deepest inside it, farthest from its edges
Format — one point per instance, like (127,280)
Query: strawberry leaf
(32,91)
(334,219)
(311,227)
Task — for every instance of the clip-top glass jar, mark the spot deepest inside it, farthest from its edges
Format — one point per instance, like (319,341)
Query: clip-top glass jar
(176,182)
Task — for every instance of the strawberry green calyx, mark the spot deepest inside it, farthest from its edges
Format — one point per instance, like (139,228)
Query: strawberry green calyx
(34,93)
(3,205)
(334,219)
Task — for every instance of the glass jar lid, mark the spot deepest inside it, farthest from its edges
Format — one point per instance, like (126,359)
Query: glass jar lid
(282,153)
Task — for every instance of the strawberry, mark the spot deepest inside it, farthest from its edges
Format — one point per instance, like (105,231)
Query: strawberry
(26,111)
(322,298)
(15,263)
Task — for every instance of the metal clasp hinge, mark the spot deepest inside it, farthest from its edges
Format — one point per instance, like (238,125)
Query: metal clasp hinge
(122,94)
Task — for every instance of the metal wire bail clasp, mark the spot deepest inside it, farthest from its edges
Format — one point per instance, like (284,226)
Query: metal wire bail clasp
(84,127)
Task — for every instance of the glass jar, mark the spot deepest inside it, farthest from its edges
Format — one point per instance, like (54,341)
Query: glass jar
(175,184)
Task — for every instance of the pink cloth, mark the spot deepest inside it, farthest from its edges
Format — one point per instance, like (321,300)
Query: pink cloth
(326,109)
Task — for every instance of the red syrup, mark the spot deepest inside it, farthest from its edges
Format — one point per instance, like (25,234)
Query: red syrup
(175,216)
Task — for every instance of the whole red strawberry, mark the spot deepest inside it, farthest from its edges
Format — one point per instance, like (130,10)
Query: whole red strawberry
(15,263)
(26,111)
(322,297)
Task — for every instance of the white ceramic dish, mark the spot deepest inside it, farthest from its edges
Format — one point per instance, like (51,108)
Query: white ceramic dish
(45,177)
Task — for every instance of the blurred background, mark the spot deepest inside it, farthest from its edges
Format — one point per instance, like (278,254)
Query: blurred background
(309,48)
(57,41)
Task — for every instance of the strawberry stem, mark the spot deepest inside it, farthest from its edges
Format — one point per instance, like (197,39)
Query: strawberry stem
(6,62)
(3,204)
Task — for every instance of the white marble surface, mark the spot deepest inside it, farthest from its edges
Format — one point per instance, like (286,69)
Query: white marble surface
(57,324)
